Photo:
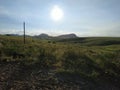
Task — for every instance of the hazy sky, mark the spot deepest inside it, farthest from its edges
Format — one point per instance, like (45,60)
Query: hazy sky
(83,17)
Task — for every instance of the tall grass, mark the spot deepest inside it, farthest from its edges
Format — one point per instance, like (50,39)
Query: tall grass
(90,61)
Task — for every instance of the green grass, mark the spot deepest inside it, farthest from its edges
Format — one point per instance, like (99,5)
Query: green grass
(93,41)
(93,58)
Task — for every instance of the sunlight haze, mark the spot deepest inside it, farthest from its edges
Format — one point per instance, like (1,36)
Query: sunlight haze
(56,13)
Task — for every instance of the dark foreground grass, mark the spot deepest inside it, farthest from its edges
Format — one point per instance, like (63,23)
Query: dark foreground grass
(98,66)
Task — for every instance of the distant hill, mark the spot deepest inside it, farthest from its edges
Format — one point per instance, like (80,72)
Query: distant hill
(46,36)
(100,41)
(65,36)
(12,34)
(43,36)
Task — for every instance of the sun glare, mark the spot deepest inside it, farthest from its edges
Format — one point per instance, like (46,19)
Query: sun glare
(56,13)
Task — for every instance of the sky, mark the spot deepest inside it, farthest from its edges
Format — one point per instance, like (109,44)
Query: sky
(82,17)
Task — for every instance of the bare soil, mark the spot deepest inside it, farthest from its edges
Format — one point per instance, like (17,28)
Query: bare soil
(17,76)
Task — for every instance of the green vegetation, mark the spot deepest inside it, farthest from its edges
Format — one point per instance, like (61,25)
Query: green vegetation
(97,59)
(93,41)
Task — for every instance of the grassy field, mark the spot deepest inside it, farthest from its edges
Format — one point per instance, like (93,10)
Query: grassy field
(95,59)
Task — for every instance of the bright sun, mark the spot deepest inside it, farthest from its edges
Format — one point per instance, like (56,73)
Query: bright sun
(56,13)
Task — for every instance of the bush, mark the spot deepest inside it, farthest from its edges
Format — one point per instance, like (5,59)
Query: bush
(77,62)
(45,58)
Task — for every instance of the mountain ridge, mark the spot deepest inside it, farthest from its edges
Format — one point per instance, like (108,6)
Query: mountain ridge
(63,36)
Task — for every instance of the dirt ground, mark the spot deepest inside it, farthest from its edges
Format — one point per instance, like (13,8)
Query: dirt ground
(16,76)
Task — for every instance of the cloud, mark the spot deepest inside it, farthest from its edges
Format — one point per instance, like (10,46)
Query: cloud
(3,11)
(111,29)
